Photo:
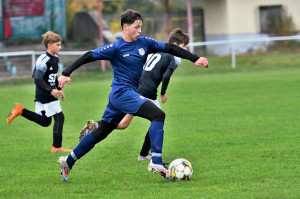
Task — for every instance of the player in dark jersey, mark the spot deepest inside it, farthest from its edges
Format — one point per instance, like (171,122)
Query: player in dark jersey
(127,57)
(47,91)
(159,69)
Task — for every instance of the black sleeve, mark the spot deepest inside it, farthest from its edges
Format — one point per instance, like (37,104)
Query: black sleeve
(83,59)
(56,84)
(180,52)
(42,84)
(165,80)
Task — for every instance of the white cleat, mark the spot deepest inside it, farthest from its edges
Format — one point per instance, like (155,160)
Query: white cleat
(159,168)
(64,168)
(142,158)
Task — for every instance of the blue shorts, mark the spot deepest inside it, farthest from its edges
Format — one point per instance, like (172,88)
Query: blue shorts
(122,100)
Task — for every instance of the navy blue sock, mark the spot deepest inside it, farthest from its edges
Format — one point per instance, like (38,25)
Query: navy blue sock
(156,133)
(86,144)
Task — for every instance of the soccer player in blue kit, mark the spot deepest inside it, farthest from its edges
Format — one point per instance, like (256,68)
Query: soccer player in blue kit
(157,70)
(127,56)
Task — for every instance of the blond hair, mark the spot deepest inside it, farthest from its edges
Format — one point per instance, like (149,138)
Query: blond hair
(50,37)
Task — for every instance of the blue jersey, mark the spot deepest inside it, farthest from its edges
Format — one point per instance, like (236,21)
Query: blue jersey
(128,58)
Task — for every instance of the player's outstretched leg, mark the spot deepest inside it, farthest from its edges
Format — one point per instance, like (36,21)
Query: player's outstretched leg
(66,162)
(85,145)
(17,110)
(64,168)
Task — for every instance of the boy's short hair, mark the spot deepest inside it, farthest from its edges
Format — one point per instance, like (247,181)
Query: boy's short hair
(129,16)
(179,37)
(50,37)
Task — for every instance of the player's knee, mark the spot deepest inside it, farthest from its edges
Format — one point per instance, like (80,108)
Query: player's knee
(103,130)
(61,117)
(46,122)
(159,116)
(58,118)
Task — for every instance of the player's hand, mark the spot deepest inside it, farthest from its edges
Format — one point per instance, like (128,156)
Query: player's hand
(62,80)
(55,93)
(164,98)
(62,95)
(202,61)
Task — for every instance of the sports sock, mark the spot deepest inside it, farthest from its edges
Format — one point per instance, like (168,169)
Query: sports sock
(146,145)
(57,139)
(156,133)
(57,129)
(156,158)
(86,144)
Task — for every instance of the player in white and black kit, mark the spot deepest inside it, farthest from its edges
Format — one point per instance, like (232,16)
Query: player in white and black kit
(47,92)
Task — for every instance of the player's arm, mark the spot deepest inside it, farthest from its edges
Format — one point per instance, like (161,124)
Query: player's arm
(164,85)
(61,93)
(156,46)
(38,76)
(43,85)
(83,59)
(102,53)
(124,123)
(180,52)
(56,84)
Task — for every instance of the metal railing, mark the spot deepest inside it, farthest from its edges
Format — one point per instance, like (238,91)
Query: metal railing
(239,41)
(34,53)
(207,43)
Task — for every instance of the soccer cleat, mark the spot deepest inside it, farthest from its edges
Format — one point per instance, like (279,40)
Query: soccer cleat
(88,127)
(159,168)
(60,149)
(142,158)
(64,168)
(17,110)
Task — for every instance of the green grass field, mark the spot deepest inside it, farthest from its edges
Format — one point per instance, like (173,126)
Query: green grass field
(239,129)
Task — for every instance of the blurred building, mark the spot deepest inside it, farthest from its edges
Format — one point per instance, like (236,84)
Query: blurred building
(24,19)
(85,26)
(238,19)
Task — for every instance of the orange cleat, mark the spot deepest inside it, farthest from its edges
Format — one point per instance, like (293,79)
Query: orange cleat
(60,149)
(17,110)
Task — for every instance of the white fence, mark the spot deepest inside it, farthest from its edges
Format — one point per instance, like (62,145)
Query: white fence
(34,53)
(233,43)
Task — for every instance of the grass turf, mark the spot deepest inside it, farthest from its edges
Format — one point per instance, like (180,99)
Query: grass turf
(239,129)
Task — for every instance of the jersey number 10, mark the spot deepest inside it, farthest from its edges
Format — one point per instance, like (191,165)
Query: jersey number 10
(151,62)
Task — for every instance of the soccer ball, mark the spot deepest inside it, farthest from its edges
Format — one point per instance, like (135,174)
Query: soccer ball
(180,169)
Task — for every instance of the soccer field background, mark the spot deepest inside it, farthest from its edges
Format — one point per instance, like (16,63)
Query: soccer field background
(239,129)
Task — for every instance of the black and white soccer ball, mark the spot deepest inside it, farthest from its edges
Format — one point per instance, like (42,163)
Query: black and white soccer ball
(180,169)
